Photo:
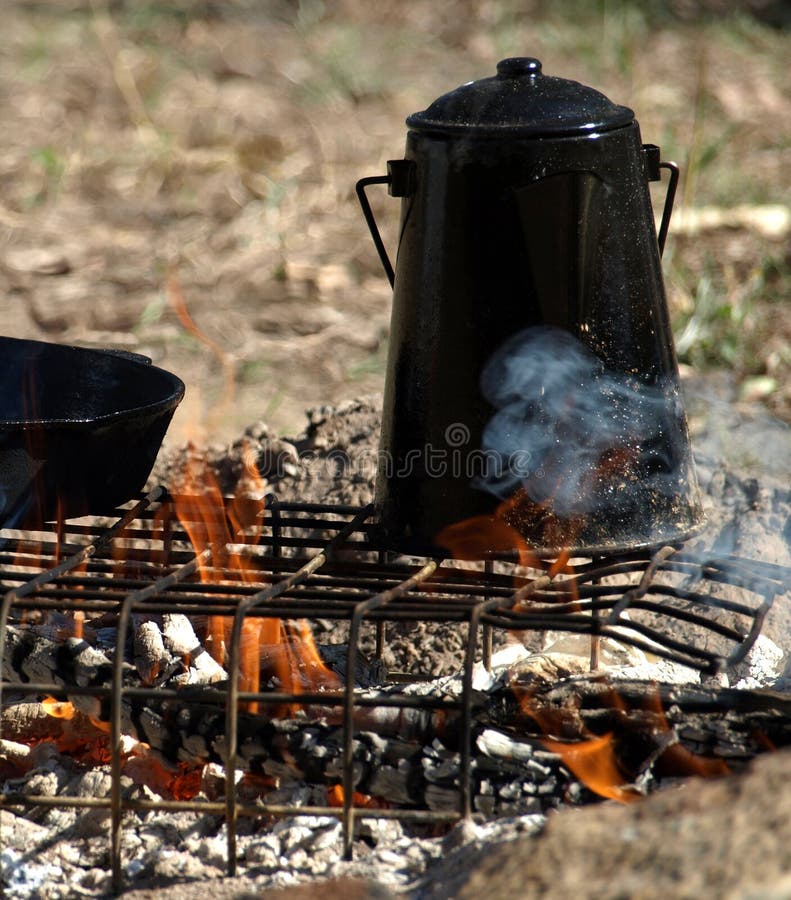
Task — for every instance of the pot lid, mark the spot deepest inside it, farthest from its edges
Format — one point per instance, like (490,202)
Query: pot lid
(521,100)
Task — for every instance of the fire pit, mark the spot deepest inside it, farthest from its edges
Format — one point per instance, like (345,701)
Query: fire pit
(169,649)
(377,747)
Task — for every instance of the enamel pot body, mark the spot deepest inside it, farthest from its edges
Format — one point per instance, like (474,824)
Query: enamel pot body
(532,389)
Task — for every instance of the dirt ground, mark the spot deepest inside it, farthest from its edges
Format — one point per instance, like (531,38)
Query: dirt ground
(207,152)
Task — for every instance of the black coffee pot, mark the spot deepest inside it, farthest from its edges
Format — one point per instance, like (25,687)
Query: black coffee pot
(532,387)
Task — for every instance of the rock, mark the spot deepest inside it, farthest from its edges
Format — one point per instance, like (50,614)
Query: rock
(38,261)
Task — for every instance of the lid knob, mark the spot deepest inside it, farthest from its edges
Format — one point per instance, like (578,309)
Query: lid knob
(521,101)
(518,65)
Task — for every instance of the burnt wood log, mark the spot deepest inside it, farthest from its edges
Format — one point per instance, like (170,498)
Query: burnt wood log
(411,756)
(30,657)
(179,638)
(31,722)
(722,723)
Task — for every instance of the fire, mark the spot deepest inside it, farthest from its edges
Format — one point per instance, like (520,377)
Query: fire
(595,759)
(594,762)
(335,797)
(178,301)
(174,782)
(213,524)
(302,667)
(480,536)
(200,508)
(83,737)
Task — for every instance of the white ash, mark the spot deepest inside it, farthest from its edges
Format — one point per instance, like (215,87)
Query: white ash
(23,878)
(300,849)
(762,667)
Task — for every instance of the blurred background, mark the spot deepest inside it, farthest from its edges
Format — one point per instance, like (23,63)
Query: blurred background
(178,178)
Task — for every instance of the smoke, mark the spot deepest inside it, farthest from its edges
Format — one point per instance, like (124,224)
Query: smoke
(584,436)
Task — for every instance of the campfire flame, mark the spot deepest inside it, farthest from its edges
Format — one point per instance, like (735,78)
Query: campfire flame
(596,765)
(178,301)
(595,759)
(215,526)
(479,537)
(592,758)
(212,523)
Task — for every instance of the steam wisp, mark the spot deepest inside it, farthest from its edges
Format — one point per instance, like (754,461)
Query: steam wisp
(573,435)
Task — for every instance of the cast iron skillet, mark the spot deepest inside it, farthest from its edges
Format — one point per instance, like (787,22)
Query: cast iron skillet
(79,429)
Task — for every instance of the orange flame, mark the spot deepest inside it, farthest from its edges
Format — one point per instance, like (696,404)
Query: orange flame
(200,508)
(204,515)
(481,536)
(302,667)
(594,759)
(594,762)
(212,523)
(335,797)
(178,301)
(677,760)
(83,737)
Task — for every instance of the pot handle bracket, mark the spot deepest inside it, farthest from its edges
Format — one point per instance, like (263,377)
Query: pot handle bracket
(400,181)
(653,166)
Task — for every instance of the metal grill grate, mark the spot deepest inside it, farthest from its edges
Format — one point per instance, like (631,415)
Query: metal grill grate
(319,561)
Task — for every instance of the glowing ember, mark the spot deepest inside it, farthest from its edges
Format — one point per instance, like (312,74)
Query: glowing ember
(173,782)
(363,801)
(86,740)
(82,737)
(178,301)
